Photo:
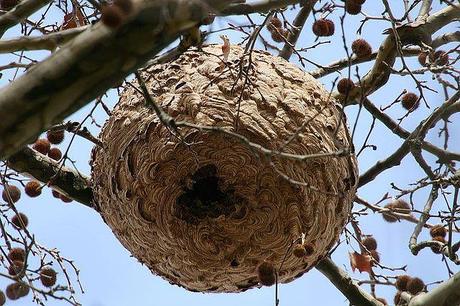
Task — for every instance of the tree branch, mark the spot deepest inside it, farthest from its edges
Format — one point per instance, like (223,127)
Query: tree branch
(45,42)
(20,12)
(88,65)
(386,56)
(298,24)
(95,60)
(260,6)
(443,155)
(418,134)
(350,289)
(67,181)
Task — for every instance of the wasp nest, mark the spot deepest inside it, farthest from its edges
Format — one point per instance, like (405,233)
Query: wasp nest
(203,208)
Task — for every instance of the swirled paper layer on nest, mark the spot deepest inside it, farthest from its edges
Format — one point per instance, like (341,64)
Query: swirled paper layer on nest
(204,209)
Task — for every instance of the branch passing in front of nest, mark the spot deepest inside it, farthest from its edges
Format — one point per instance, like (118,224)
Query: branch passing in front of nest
(169,121)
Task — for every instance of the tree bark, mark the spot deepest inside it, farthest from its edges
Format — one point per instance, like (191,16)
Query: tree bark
(65,180)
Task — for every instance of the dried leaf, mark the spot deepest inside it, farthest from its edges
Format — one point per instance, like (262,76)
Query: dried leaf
(225,46)
(360,262)
(73,19)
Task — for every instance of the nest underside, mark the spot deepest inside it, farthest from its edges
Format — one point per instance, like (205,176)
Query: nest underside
(203,209)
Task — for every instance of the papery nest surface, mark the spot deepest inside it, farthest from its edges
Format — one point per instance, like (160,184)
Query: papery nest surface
(203,208)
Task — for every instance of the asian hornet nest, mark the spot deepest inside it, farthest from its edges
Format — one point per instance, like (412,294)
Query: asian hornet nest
(202,209)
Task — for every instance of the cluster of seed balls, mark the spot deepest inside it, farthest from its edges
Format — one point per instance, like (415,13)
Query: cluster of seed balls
(363,50)
(412,285)
(44,146)
(14,291)
(11,194)
(278,32)
(437,232)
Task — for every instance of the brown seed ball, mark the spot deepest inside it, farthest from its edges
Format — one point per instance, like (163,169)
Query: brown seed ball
(330,27)
(361,48)
(275,22)
(438,249)
(277,36)
(422,58)
(20,221)
(12,193)
(344,86)
(439,57)
(410,101)
(55,154)
(17,254)
(2,298)
(126,6)
(401,206)
(13,291)
(383,301)
(438,231)
(401,282)
(33,189)
(48,276)
(443,58)
(299,251)
(309,249)
(55,137)
(8,4)
(352,8)
(112,16)
(285,33)
(370,243)
(266,273)
(376,256)
(56,194)
(23,290)
(15,268)
(415,285)
(65,199)
(323,27)
(387,216)
(42,145)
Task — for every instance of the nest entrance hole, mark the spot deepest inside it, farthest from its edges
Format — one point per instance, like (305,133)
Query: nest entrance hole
(204,198)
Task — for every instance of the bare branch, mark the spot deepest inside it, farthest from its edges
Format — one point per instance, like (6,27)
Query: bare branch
(381,70)
(88,66)
(67,181)
(298,24)
(345,284)
(21,11)
(443,155)
(46,42)
(260,6)
(419,134)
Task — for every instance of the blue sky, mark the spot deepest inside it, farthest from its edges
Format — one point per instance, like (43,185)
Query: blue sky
(110,276)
